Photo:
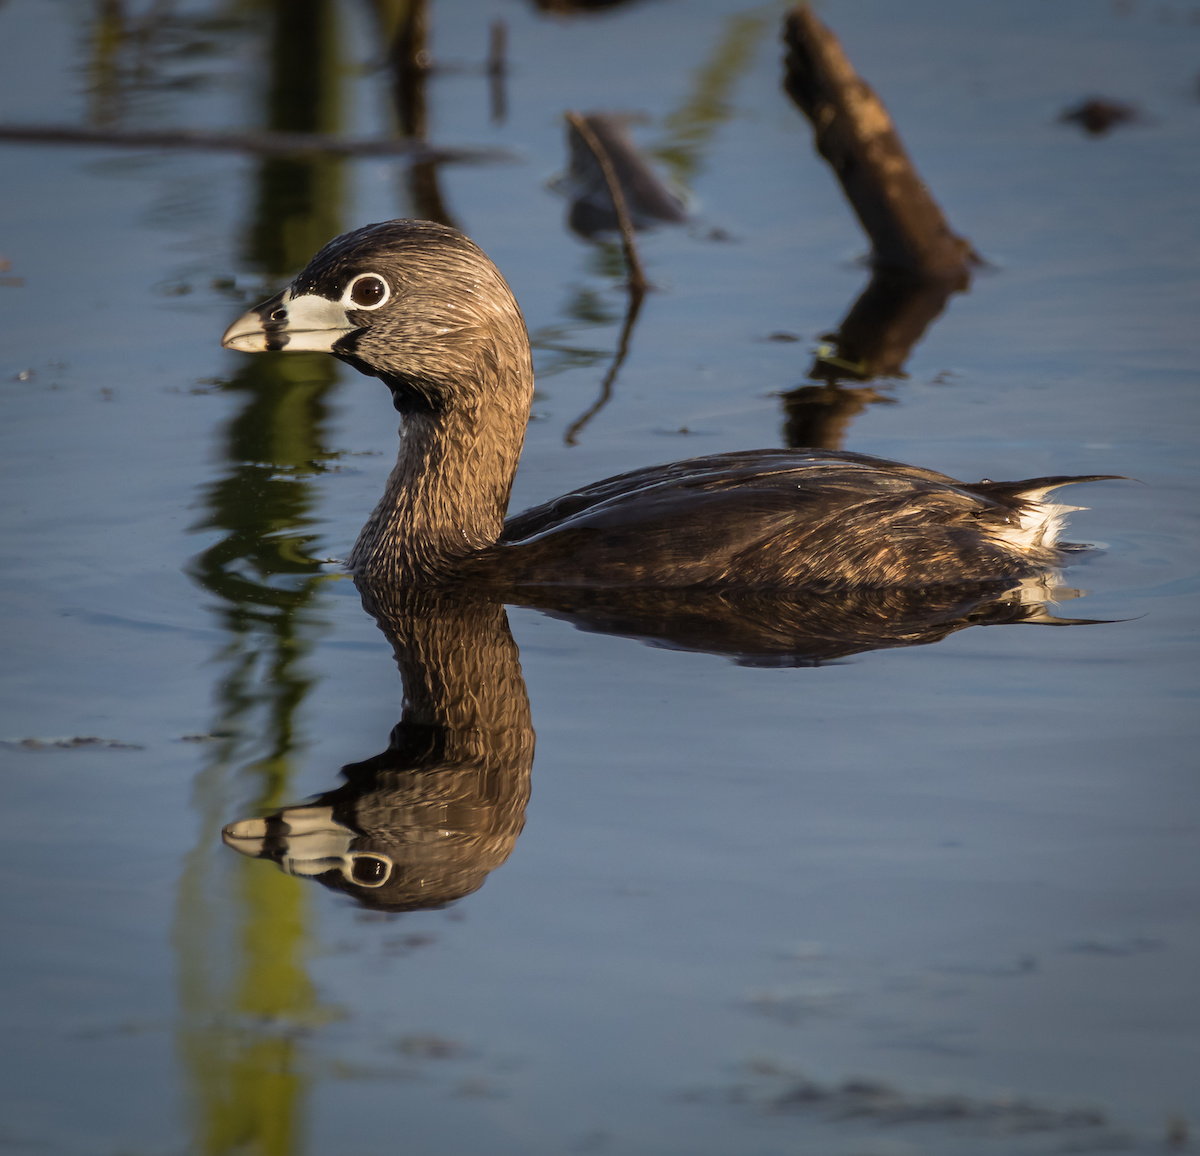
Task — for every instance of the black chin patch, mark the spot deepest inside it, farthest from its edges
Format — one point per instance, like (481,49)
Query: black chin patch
(410,395)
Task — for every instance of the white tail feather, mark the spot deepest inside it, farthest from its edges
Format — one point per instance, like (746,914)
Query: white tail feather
(1038,525)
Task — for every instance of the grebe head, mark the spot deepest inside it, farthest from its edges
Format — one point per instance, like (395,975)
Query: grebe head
(412,302)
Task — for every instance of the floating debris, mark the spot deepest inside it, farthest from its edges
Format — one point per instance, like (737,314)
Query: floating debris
(774,1089)
(9,282)
(431,1047)
(1136,945)
(70,744)
(1097,114)
(403,945)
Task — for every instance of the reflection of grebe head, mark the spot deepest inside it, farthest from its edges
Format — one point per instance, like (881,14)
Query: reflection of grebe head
(436,867)
(399,839)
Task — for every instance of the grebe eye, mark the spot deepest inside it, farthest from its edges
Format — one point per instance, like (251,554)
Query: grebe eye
(367,291)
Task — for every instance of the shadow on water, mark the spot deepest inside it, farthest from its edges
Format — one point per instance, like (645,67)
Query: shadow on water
(241,936)
(423,823)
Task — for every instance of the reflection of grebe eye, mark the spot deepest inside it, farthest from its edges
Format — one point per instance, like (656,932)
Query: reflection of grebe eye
(367,291)
(370,870)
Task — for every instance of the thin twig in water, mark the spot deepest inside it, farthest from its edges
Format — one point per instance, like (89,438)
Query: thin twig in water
(637,278)
(636,282)
(635,305)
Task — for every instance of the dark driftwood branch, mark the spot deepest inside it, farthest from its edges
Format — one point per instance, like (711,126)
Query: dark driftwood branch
(637,278)
(259,143)
(571,437)
(855,134)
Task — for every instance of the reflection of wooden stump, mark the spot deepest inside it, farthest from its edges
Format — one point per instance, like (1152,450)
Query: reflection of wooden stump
(855,134)
(877,335)
(875,339)
(817,416)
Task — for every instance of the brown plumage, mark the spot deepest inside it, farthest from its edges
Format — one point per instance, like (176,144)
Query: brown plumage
(422,308)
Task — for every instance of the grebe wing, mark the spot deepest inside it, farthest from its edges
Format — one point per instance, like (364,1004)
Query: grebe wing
(755,469)
(833,522)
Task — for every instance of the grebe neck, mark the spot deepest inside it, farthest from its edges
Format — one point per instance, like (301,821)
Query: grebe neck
(446,496)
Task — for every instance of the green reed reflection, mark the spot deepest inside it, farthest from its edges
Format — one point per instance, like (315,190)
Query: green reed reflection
(707,106)
(242,932)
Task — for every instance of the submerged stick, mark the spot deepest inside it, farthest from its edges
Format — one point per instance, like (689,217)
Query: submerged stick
(259,143)
(637,278)
(855,134)
(571,437)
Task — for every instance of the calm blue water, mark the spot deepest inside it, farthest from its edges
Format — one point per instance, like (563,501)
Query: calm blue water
(966,872)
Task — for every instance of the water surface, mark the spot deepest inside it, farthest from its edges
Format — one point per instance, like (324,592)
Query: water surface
(939,898)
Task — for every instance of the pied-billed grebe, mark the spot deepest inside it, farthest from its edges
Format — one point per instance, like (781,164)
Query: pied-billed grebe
(422,308)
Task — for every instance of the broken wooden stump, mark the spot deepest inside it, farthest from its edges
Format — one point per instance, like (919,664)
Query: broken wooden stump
(917,258)
(854,133)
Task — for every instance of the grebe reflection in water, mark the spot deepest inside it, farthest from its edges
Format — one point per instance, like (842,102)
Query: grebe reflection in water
(423,823)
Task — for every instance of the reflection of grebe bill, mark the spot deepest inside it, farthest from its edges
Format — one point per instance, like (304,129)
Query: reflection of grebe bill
(308,841)
(423,822)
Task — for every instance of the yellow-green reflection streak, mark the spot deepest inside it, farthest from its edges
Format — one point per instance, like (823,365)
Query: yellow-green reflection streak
(104,79)
(242,928)
(707,106)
